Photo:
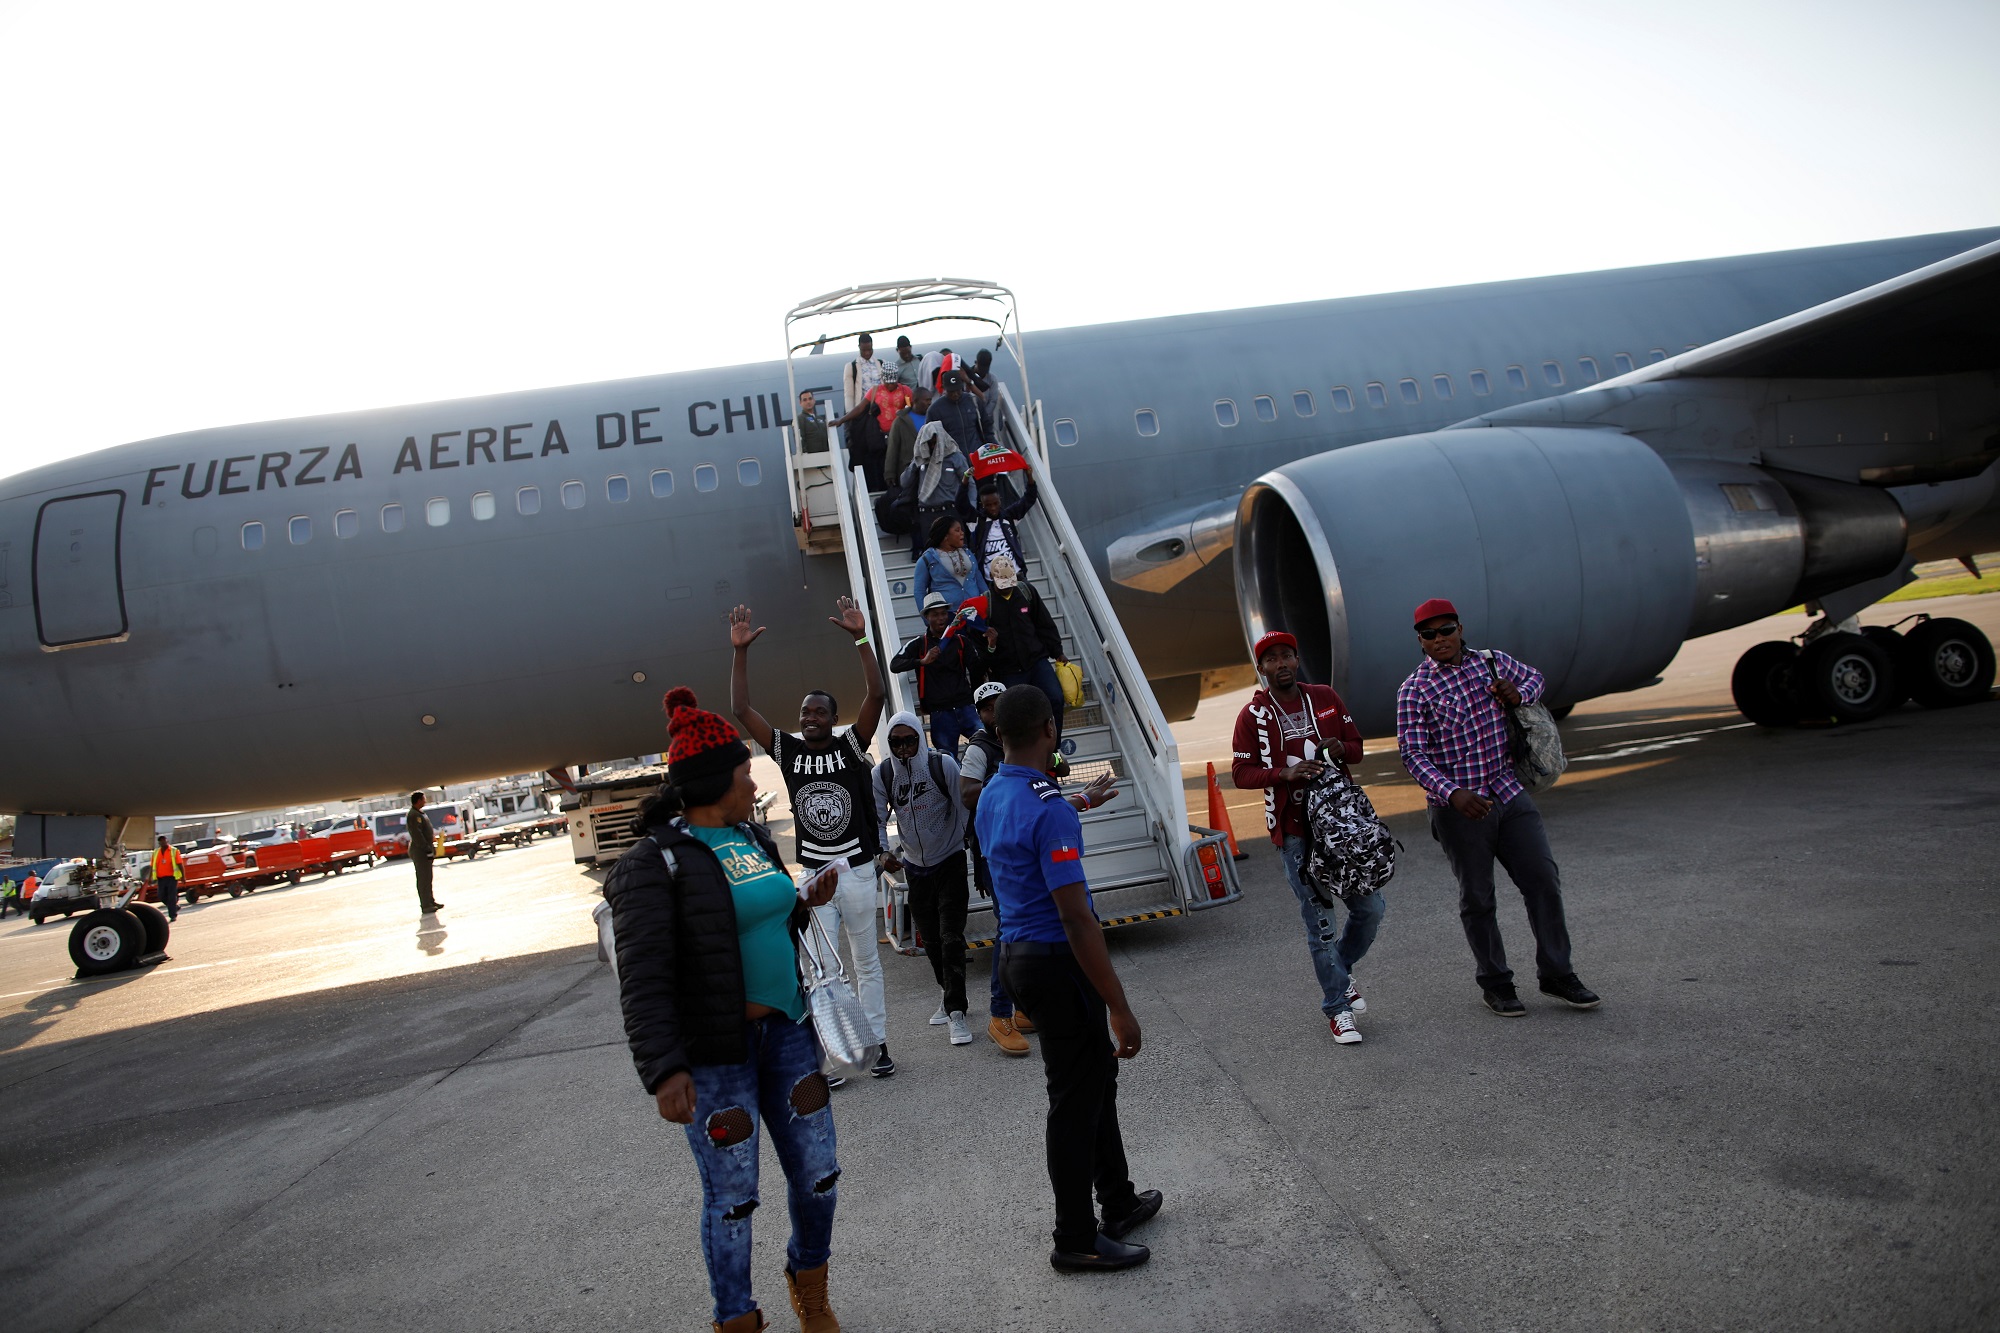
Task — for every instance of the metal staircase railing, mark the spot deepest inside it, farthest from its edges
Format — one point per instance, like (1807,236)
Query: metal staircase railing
(1141,858)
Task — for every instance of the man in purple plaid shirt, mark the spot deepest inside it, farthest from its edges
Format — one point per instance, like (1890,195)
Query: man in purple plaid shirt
(1451,728)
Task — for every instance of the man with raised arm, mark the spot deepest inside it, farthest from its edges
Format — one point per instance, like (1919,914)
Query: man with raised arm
(827,775)
(1055,964)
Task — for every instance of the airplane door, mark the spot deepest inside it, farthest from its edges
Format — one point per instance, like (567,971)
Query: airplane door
(79,590)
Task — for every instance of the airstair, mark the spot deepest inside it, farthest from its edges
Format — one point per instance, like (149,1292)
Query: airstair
(1141,857)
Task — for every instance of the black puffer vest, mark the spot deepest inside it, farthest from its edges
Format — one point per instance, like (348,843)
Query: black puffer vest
(680,968)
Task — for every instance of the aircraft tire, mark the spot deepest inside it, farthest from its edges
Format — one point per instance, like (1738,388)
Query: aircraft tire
(1560,713)
(158,928)
(1949,663)
(1892,644)
(106,941)
(1847,677)
(1761,684)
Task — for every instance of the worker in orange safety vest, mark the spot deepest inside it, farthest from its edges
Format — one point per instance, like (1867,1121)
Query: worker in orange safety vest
(169,868)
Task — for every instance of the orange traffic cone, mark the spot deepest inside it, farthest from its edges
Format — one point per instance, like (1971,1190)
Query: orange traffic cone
(1218,816)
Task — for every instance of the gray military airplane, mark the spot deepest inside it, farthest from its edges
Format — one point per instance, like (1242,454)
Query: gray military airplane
(1594,467)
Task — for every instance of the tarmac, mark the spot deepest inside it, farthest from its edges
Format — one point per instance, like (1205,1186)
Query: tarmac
(323,1113)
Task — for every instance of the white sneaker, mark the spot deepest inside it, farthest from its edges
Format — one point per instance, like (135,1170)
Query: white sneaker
(1343,1027)
(961,1033)
(940,1018)
(1354,1000)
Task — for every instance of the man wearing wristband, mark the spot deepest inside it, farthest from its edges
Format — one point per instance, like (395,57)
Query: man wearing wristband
(1055,964)
(828,777)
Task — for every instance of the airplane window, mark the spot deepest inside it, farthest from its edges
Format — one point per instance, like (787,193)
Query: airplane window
(346,523)
(1588,365)
(617,490)
(1622,361)
(253,536)
(1441,386)
(704,477)
(1553,373)
(1377,395)
(299,530)
(1409,390)
(437,511)
(1517,379)
(1225,412)
(663,484)
(1480,384)
(1343,401)
(1302,403)
(1065,432)
(483,507)
(1658,354)
(392,518)
(1266,409)
(528,500)
(572,495)
(749,472)
(1147,420)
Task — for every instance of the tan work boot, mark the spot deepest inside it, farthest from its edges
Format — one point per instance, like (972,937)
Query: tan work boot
(1022,1023)
(809,1301)
(1004,1036)
(751,1321)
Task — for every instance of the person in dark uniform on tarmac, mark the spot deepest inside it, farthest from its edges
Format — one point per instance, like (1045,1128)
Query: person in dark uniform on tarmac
(423,850)
(1055,965)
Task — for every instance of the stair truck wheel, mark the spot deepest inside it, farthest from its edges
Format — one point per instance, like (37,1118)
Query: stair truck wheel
(156,924)
(106,941)
(1847,677)
(1950,663)
(1761,684)
(236,890)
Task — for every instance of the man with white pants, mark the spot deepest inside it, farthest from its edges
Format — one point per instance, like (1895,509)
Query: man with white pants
(829,779)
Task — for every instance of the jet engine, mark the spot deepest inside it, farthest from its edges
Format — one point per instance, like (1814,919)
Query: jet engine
(1582,552)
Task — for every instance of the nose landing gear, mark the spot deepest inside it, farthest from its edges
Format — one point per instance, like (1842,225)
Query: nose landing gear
(1854,676)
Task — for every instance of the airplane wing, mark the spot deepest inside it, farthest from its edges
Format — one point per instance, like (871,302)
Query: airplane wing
(1943,319)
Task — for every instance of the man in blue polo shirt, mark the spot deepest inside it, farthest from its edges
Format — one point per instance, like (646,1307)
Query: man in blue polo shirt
(1054,965)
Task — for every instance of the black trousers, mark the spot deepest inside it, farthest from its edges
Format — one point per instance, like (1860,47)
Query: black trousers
(169,890)
(867,447)
(424,898)
(1085,1149)
(1513,835)
(938,901)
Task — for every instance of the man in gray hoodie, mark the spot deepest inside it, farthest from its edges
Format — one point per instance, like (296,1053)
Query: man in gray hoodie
(920,786)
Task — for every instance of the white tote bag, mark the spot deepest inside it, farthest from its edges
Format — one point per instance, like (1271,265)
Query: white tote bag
(847,1043)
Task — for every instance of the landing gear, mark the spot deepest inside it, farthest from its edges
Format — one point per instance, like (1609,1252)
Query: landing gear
(1847,677)
(106,940)
(1762,684)
(1855,677)
(1949,662)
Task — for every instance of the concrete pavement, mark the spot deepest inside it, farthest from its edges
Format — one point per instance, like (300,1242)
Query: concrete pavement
(1780,1118)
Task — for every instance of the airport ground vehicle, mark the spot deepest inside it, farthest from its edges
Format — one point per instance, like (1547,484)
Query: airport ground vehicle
(67,887)
(236,871)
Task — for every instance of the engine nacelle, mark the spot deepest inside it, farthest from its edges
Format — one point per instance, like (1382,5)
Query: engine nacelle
(1582,552)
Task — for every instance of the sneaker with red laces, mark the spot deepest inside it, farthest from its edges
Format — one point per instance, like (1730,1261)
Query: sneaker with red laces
(1343,1027)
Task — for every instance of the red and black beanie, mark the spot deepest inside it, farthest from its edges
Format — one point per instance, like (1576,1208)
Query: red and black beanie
(699,743)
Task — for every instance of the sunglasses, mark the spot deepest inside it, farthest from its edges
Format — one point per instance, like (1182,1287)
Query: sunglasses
(897,744)
(1441,632)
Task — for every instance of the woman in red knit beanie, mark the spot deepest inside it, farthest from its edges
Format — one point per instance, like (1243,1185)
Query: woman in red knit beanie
(707,925)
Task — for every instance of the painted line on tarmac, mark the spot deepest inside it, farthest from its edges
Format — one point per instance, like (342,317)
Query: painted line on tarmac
(1656,743)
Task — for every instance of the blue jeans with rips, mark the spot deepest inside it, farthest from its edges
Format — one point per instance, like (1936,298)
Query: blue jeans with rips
(781,1088)
(1332,959)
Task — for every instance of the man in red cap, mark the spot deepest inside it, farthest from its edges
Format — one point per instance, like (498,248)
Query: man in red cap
(1451,727)
(1285,737)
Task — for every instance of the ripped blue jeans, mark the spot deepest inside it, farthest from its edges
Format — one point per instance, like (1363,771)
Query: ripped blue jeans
(780,1088)
(1332,958)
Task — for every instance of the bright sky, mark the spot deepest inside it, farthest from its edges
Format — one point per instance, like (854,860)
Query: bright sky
(219,213)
